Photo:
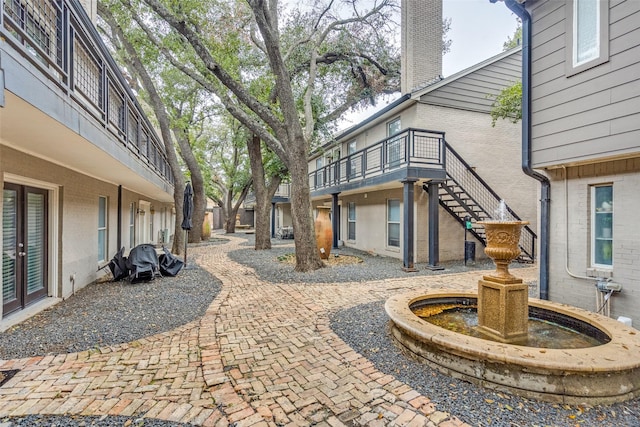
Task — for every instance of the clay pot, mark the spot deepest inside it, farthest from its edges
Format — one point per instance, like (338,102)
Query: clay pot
(324,232)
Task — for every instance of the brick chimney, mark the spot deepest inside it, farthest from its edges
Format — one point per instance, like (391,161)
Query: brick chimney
(421,28)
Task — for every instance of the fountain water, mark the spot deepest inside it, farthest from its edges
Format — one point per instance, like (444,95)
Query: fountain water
(605,370)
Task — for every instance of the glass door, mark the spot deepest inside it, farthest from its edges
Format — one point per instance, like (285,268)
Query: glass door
(24,246)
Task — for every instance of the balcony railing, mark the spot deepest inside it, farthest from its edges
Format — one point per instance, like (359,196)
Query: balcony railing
(410,148)
(57,37)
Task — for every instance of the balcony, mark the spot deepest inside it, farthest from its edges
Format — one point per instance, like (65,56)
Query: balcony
(53,59)
(412,154)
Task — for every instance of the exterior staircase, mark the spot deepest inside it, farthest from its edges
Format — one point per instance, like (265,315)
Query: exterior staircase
(465,194)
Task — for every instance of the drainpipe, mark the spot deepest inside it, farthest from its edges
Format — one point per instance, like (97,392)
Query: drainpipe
(545,185)
(119,225)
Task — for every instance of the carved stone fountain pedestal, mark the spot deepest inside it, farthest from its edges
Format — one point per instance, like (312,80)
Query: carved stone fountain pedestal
(503,300)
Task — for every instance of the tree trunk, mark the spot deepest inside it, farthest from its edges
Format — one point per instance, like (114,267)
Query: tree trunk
(264,193)
(197,183)
(307,257)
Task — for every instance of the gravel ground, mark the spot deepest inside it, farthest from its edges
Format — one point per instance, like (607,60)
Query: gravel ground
(104,314)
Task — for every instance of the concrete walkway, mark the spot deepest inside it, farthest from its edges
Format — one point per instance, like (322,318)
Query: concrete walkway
(263,355)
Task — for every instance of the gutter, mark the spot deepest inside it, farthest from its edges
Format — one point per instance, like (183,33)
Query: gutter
(545,186)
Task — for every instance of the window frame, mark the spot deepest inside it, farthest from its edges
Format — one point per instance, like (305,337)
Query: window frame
(391,222)
(103,228)
(352,164)
(572,66)
(351,221)
(602,214)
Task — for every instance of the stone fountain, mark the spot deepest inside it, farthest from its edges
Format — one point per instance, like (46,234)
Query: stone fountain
(503,300)
(500,357)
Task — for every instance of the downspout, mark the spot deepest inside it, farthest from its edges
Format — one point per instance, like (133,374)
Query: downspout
(545,185)
(119,218)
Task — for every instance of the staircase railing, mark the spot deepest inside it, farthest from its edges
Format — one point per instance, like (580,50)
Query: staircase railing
(478,200)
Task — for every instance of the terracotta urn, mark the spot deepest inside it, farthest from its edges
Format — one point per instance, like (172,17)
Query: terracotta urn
(324,232)
(502,245)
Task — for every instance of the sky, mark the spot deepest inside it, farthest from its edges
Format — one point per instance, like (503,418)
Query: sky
(478,30)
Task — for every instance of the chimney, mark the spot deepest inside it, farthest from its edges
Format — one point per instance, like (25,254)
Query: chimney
(421,28)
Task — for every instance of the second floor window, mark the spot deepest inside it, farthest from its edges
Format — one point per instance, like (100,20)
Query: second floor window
(395,145)
(352,165)
(588,38)
(587,20)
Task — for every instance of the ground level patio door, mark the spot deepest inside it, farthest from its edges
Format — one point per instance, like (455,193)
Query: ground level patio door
(24,246)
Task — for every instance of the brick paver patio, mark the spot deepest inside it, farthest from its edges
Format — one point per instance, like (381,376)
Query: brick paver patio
(263,355)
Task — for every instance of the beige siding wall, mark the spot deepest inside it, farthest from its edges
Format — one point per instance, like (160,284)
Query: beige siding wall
(77,214)
(576,231)
(593,114)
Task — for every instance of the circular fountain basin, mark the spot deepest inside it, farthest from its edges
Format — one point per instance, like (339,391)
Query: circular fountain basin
(601,374)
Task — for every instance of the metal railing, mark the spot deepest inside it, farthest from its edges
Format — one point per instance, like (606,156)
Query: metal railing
(412,147)
(58,38)
(479,194)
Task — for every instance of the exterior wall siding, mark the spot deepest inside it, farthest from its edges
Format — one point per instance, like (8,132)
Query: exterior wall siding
(78,218)
(477,90)
(624,175)
(594,114)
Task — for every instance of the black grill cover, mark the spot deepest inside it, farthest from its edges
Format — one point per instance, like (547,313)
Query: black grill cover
(170,265)
(142,263)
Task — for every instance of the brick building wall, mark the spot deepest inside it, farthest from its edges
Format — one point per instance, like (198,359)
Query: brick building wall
(574,225)
(421,43)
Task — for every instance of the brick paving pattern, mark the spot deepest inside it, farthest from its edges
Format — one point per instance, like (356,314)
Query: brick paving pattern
(262,355)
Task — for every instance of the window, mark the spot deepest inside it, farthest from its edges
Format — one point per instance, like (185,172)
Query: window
(393,223)
(394,145)
(351,221)
(102,229)
(352,165)
(602,226)
(319,175)
(588,40)
(132,225)
(393,127)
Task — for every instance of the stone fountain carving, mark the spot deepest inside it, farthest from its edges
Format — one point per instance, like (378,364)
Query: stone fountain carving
(503,300)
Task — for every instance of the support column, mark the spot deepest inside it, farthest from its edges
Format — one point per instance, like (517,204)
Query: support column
(273,220)
(434,226)
(408,226)
(335,219)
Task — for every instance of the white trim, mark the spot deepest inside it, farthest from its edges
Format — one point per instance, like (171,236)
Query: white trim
(54,215)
